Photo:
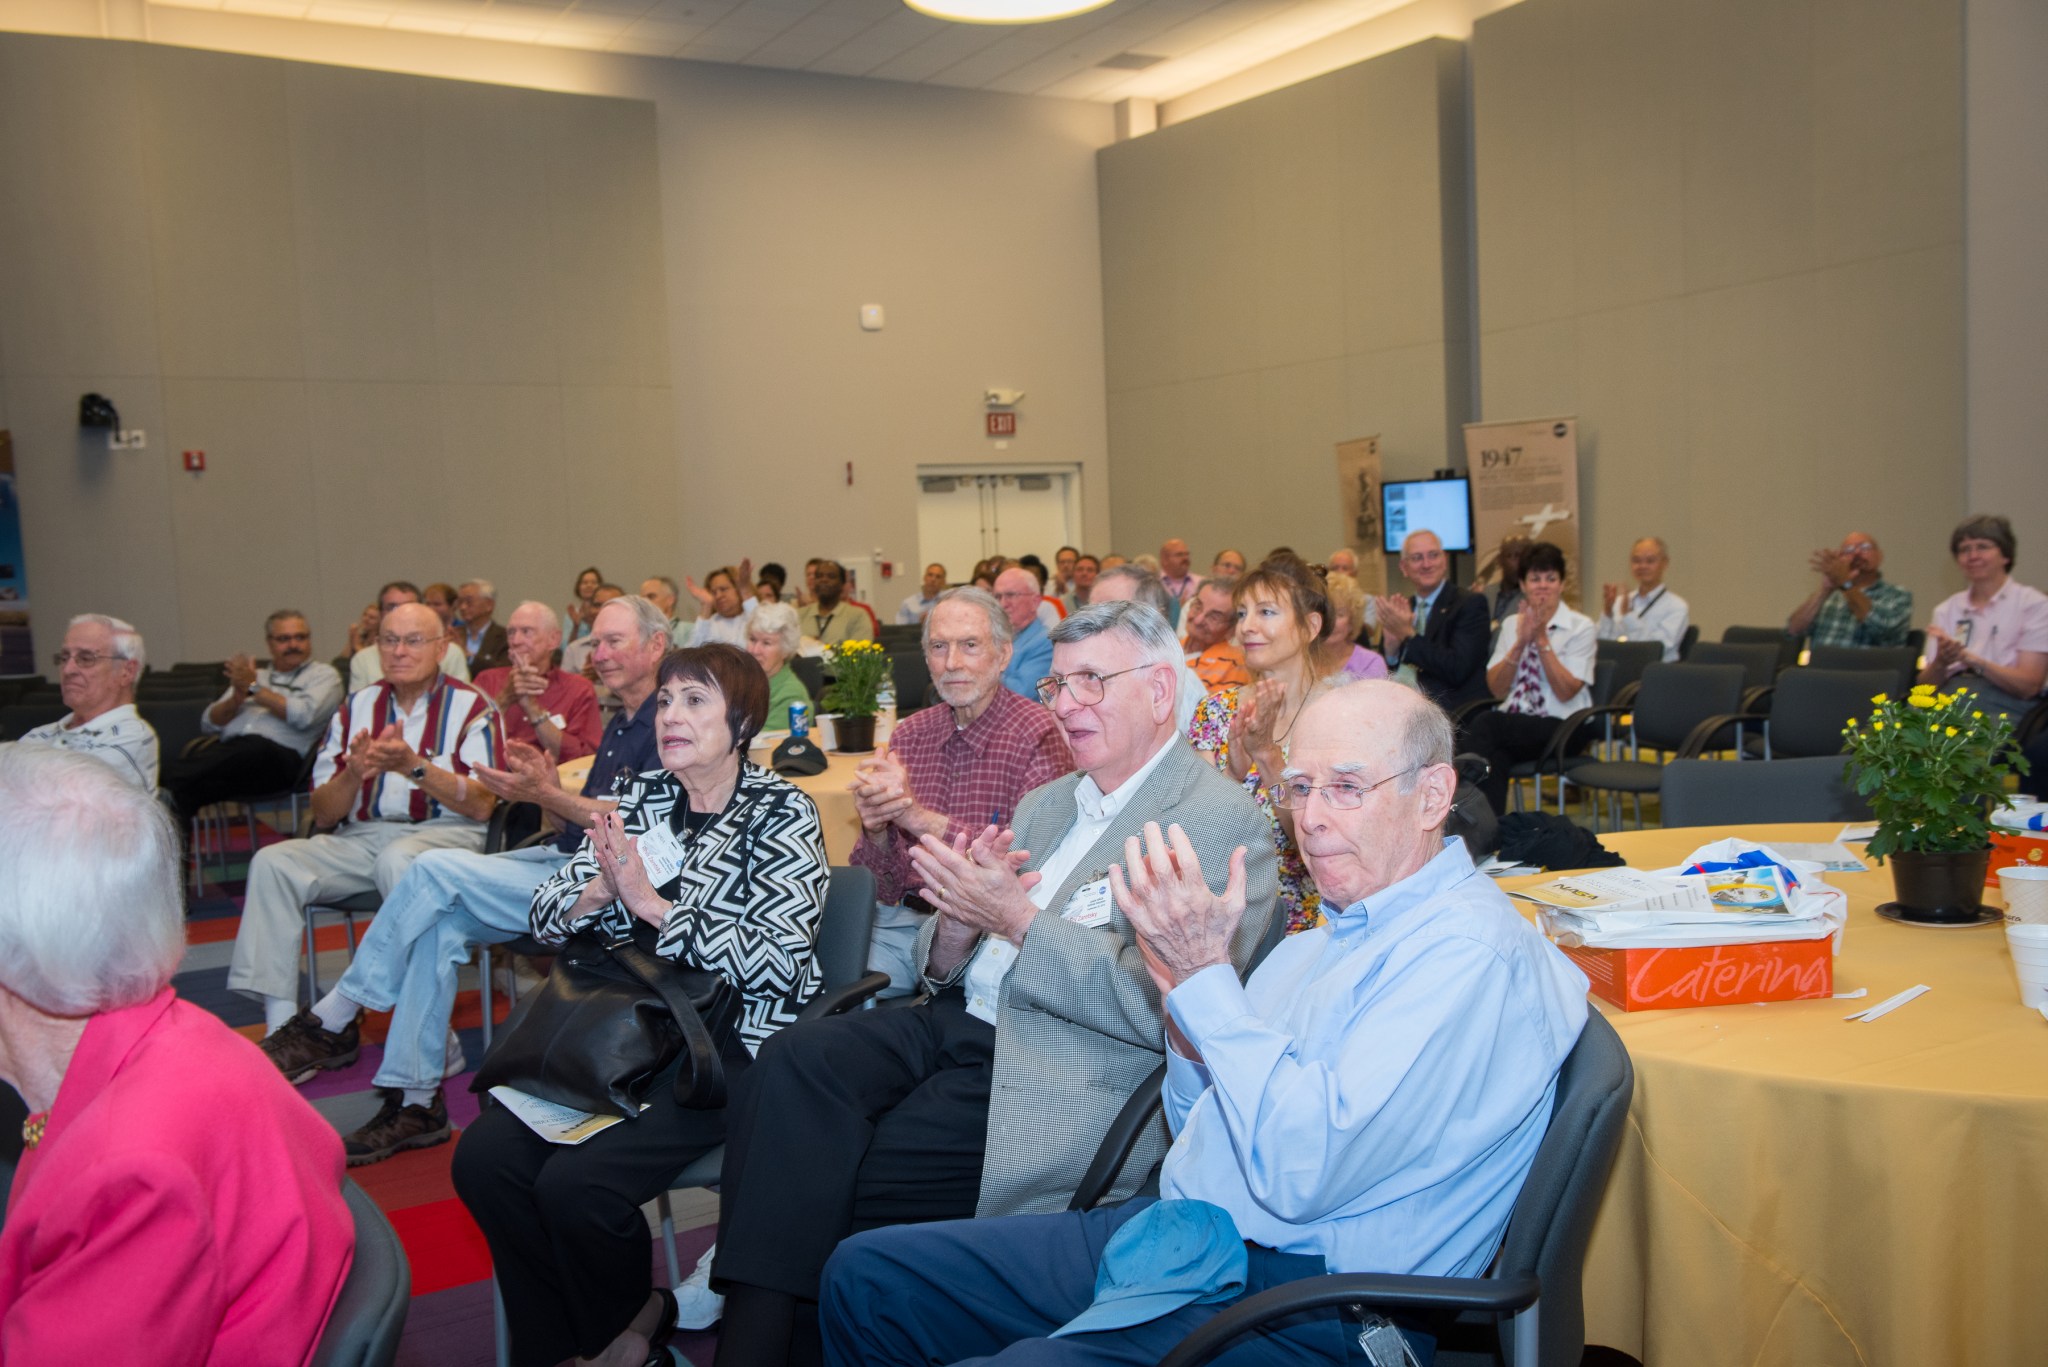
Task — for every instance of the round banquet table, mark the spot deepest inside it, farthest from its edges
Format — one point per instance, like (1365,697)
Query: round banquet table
(1794,1190)
(835,805)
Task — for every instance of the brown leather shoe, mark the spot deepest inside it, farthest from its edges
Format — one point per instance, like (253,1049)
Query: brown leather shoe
(302,1046)
(397,1127)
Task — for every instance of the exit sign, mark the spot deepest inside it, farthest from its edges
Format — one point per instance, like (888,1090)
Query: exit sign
(1002,424)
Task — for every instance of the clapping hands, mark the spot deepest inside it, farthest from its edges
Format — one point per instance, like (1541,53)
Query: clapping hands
(1182,926)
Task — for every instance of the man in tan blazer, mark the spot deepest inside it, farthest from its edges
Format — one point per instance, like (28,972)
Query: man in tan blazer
(990,1095)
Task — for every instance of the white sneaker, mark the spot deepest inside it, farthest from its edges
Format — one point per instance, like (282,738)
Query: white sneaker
(697,1305)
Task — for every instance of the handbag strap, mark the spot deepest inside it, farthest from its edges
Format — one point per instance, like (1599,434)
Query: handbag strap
(700,1081)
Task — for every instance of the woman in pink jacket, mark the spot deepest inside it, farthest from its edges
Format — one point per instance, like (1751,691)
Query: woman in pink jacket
(175,1201)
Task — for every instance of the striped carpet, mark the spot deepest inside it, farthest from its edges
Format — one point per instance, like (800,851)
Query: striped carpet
(450,1324)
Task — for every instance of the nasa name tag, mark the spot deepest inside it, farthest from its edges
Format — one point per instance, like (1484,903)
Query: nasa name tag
(660,854)
(1090,904)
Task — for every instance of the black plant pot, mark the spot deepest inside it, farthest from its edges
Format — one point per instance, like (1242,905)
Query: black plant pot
(1940,889)
(856,736)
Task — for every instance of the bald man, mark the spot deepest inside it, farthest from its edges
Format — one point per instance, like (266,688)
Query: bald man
(1174,572)
(1649,612)
(391,782)
(1853,606)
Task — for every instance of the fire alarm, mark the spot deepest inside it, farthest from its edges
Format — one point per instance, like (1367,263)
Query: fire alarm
(871,318)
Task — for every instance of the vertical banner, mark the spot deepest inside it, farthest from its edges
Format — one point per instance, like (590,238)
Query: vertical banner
(1525,482)
(17,654)
(1358,495)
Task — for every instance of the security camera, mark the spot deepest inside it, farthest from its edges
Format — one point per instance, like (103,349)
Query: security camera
(1003,398)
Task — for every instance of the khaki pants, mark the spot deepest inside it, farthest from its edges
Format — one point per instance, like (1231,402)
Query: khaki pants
(284,879)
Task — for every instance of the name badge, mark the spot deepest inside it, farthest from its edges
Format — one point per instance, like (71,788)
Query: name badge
(661,854)
(1090,905)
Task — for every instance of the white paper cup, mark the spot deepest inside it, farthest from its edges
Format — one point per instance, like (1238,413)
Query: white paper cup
(2028,945)
(2025,888)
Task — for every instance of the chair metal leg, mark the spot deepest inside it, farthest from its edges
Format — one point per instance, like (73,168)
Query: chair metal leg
(1637,798)
(312,964)
(668,1237)
(1523,1342)
(483,984)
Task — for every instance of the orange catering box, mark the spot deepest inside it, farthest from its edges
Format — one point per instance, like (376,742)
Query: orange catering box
(1710,975)
(2012,849)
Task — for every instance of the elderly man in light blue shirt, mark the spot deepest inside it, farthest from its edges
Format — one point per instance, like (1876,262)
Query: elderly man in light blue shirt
(1370,1101)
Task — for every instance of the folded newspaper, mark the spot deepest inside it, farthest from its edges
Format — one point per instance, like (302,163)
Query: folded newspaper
(1731,892)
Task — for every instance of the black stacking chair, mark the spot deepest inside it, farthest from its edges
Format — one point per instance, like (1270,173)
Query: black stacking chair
(1668,714)
(369,1317)
(1541,1262)
(1712,792)
(1901,663)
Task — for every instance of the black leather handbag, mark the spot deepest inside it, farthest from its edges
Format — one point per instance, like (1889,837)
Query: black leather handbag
(610,1018)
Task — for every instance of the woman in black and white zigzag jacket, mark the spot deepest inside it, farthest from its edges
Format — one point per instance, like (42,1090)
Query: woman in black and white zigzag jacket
(722,865)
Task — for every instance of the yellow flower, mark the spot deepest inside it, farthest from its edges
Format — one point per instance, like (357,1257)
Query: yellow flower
(1918,701)
(1921,690)
(1877,726)
(1978,715)
(1880,697)
(1952,731)
(1852,723)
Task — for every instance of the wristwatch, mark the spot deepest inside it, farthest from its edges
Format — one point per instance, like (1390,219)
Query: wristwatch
(419,771)
(253,689)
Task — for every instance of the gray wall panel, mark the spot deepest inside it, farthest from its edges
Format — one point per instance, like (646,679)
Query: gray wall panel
(1280,276)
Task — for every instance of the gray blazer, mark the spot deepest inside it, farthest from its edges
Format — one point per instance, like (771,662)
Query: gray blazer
(1078,1024)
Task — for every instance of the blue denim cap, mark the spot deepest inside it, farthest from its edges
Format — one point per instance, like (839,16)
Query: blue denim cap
(1171,1254)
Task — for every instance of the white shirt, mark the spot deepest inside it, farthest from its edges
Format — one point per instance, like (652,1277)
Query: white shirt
(1658,615)
(118,737)
(1573,641)
(730,631)
(366,666)
(1094,809)
(311,693)
(912,612)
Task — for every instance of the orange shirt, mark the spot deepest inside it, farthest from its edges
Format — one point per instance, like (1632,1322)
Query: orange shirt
(1219,667)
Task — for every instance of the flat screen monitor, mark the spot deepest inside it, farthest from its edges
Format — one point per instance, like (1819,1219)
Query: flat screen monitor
(1443,506)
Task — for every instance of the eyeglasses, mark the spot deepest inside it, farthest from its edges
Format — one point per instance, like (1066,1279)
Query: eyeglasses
(413,642)
(1007,595)
(1084,687)
(1424,557)
(286,638)
(1293,794)
(1852,547)
(84,659)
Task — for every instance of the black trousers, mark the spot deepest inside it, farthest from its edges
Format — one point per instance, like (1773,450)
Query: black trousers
(247,766)
(573,1255)
(850,1123)
(1504,739)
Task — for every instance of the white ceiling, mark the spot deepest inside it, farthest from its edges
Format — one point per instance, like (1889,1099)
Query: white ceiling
(1202,40)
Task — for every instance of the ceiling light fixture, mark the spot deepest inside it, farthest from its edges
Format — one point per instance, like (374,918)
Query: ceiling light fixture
(1003,11)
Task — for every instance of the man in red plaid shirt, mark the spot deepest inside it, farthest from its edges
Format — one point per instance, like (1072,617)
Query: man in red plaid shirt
(949,770)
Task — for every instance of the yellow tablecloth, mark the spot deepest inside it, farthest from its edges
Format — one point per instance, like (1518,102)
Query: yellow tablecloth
(1794,1190)
(828,790)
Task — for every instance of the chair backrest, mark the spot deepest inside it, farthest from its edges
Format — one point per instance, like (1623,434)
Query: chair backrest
(913,677)
(1759,661)
(897,636)
(1900,662)
(1688,641)
(370,1315)
(810,671)
(19,718)
(1704,792)
(1629,658)
(175,721)
(1787,644)
(1812,706)
(1677,697)
(1553,1216)
(846,925)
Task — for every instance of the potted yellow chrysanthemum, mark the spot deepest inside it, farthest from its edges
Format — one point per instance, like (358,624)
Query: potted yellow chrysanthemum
(1933,765)
(855,693)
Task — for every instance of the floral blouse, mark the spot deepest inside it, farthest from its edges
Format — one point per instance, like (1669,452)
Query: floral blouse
(1209,733)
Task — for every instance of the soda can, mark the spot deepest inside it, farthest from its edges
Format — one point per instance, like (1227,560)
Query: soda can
(799,719)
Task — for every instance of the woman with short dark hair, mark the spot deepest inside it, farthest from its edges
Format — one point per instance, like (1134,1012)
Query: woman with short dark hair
(1541,670)
(1992,637)
(567,1237)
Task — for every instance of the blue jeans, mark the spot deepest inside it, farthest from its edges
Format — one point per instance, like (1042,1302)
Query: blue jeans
(988,1291)
(447,901)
